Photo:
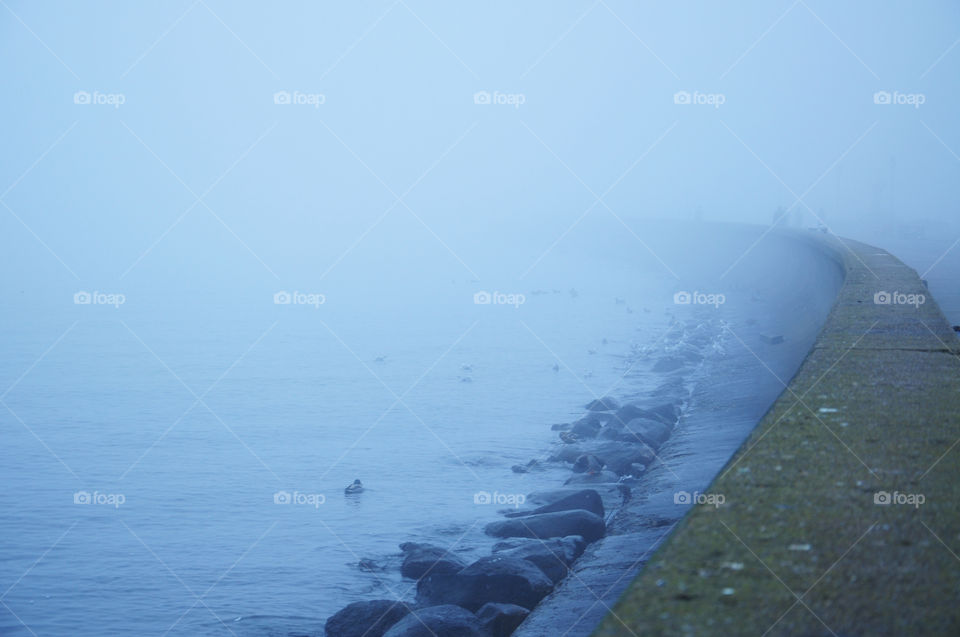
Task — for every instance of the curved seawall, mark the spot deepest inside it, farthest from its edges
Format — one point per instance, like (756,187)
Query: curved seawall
(778,297)
(840,511)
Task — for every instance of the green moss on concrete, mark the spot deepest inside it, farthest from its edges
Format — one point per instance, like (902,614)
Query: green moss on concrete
(800,547)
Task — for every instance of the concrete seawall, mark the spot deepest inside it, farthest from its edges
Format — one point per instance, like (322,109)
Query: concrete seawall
(841,510)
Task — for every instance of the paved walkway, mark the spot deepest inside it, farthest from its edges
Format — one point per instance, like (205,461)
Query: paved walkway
(842,509)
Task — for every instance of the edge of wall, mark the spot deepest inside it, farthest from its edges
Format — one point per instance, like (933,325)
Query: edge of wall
(803,544)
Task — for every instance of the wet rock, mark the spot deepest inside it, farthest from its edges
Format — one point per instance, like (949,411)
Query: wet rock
(585,499)
(587,463)
(445,620)
(586,428)
(546,525)
(500,620)
(554,556)
(665,412)
(567,453)
(495,578)
(370,619)
(419,559)
(618,456)
(652,433)
(526,468)
(603,404)
(600,477)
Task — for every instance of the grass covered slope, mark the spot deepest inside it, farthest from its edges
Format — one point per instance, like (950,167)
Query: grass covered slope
(842,509)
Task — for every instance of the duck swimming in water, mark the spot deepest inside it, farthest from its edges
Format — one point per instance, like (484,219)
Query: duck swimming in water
(356,487)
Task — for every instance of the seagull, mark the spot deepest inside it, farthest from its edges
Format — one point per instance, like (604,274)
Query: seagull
(380,359)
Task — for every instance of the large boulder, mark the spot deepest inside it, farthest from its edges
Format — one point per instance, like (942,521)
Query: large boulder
(586,499)
(366,619)
(554,556)
(420,559)
(500,620)
(546,525)
(445,620)
(495,578)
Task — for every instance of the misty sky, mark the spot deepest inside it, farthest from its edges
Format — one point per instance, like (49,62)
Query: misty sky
(200,174)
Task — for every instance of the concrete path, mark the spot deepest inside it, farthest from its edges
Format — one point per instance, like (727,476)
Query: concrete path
(841,512)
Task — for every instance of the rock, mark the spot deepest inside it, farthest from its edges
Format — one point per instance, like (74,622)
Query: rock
(603,404)
(547,525)
(618,456)
(667,413)
(549,496)
(495,578)
(419,559)
(567,453)
(586,428)
(587,463)
(446,620)
(370,619)
(500,620)
(526,468)
(601,477)
(554,556)
(585,499)
(650,432)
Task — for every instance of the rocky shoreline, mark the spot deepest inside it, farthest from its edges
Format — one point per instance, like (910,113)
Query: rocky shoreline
(608,449)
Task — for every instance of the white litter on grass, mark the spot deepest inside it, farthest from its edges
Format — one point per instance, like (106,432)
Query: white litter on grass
(800,547)
(733,566)
(828,410)
(728,591)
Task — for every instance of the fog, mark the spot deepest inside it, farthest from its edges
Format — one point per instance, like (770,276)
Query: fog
(256,251)
(199,176)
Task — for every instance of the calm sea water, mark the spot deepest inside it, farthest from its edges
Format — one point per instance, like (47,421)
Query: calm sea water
(146,447)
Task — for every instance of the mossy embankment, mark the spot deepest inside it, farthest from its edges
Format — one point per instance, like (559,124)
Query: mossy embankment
(804,543)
